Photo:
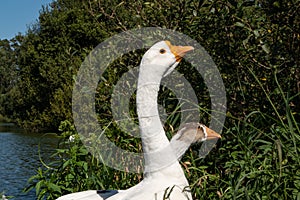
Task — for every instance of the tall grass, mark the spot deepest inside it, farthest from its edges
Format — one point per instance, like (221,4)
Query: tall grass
(258,157)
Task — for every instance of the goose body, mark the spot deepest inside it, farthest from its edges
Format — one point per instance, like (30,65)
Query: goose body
(190,133)
(163,174)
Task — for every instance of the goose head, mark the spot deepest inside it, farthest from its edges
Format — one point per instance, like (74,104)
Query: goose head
(163,57)
(195,132)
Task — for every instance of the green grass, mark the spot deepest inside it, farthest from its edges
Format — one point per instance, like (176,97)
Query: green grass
(257,158)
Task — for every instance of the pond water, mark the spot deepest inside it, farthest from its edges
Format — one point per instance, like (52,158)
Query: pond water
(19,159)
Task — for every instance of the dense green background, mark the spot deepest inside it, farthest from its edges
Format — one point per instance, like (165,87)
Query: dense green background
(255,45)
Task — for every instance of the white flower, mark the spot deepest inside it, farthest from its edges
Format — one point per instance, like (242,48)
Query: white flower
(71,138)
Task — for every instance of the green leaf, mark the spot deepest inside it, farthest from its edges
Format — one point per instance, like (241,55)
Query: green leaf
(54,187)
(38,187)
(240,24)
(66,164)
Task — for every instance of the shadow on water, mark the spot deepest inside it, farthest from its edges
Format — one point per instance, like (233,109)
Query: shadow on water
(19,158)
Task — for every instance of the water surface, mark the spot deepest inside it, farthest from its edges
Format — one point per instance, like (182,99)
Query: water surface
(19,159)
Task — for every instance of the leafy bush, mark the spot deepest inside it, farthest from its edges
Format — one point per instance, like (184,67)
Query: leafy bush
(75,169)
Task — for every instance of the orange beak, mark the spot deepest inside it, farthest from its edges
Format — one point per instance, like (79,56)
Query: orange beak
(212,134)
(179,51)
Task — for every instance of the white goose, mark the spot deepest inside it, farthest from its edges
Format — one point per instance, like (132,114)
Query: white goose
(163,173)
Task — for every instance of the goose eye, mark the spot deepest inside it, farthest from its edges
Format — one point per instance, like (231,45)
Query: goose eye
(162,51)
(200,128)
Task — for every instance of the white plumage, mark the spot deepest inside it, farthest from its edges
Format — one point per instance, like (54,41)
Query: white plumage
(163,173)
